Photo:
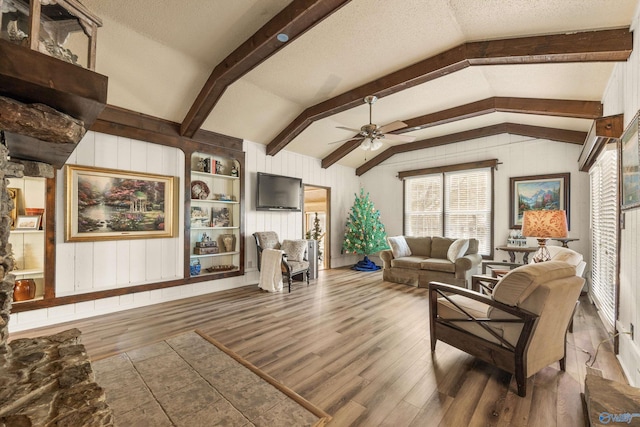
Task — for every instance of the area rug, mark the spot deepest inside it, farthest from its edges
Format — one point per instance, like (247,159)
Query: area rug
(193,380)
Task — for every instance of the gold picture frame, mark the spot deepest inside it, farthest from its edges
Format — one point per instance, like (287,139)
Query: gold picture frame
(111,204)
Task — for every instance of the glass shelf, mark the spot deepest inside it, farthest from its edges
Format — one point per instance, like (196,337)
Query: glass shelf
(214,255)
(213,175)
(214,228)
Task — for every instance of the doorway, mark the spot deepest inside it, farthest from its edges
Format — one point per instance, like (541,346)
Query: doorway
(317,221)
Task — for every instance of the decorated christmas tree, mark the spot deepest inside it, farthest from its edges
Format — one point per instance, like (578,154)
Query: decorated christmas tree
(364,233)
(316,234)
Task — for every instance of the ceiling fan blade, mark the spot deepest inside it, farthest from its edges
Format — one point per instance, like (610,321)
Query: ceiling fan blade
(346,128)
(392,126)
(398,138)
(344,140)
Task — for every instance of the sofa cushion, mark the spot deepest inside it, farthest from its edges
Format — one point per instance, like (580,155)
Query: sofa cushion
(520,282)
(440,246)
(407,262)
(564,254)
(473,247)
(419,245)
(399,246)
(436,264)
(457,249)
(295,249)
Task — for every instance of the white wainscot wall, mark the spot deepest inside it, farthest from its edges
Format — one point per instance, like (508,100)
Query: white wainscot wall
(518,156)
(623,96)
(96,266)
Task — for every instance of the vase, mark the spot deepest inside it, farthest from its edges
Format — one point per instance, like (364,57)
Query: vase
(229,241)
(24,289)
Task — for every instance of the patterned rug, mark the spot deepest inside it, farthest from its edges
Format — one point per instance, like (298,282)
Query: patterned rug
(192,380)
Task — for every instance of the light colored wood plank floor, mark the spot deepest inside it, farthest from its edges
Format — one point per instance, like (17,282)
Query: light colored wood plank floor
(358,347)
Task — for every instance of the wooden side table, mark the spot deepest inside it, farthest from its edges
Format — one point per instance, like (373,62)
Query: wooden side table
(512,250)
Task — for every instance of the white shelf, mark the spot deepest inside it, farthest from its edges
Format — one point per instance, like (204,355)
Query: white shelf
(27,272)
(14,231)
(213,175)
(228,202)
(215,255)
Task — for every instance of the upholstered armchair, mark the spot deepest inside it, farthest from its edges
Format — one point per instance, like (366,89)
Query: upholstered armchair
(520,327)
(294,260)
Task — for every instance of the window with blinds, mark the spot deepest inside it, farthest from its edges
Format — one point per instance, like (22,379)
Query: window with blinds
(604,234)
(455,204)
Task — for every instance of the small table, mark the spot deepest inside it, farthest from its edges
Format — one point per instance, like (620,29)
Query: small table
(565,241)
(512,252)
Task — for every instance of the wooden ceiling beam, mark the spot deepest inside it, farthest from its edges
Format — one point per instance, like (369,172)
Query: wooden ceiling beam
(547,107)
(561,135)
(589,46)
(294,20)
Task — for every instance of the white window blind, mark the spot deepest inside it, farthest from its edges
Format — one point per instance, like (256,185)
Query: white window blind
(468,206)
(451,204)
(423,206)
(604,235)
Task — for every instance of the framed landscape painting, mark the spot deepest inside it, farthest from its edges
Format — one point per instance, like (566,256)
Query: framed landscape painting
(630,166)
(538,192)
(110,204)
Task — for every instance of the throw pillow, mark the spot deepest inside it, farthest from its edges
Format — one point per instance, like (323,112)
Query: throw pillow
(457,249)
(295,249)
(399,246)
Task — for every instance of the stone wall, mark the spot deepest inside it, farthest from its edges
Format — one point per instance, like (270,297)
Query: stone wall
(46,380)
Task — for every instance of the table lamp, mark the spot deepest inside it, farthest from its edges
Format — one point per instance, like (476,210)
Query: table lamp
(544,225)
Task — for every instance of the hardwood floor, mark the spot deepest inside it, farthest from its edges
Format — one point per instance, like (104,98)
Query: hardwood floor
(358,348)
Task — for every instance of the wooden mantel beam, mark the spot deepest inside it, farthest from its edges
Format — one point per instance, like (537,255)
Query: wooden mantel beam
(561,135)
(294,20)
(588,46)
(546,107)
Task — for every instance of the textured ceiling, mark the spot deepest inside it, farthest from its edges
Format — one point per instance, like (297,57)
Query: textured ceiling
(165,50)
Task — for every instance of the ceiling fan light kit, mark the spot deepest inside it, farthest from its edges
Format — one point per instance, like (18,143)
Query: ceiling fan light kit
(372,134)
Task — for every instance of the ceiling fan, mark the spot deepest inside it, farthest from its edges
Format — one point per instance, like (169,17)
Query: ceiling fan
(372,134)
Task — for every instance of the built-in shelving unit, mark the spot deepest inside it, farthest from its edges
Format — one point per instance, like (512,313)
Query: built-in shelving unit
(28,246)
(215,215)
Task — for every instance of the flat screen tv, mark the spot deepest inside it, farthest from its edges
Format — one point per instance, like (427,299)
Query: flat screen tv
(278,193)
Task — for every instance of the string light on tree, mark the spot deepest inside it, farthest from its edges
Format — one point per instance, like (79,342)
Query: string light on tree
(364,234)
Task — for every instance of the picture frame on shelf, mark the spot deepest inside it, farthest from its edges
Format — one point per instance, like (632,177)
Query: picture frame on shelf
(220,217)
(538,192)
(111,204)
(28,222)
(200,217)
(630,165)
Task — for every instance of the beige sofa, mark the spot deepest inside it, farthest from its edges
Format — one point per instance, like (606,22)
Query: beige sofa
(416,261)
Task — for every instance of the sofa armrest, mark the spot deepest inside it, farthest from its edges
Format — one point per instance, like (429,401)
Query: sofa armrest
(467,262)
(386,256)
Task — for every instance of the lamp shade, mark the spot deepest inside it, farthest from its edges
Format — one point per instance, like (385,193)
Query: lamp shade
(544,224)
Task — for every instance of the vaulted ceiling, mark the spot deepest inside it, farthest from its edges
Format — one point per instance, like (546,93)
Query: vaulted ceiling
(451,69)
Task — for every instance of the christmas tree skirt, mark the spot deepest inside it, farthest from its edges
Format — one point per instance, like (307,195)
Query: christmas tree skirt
(365,265)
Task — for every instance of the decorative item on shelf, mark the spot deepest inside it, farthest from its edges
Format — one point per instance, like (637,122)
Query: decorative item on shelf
(219,167)
(206,246)
(229,242)
(544,225)
(14,194)
(35,212)
(199,190)
(24,289)
(220,217)
(234,171)
(200,164)
(31,222)
(516,240)
(200,217)
(195,267)
(207,165)
(224,197)
(219,268)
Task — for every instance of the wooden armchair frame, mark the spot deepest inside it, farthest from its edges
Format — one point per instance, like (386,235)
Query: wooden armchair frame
(508,357)
(287,271)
